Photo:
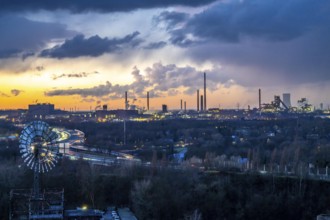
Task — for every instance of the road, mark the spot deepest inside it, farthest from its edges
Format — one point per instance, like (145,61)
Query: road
(71,144)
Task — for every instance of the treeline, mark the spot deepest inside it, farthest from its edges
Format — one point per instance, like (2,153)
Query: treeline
(164,193)
(229,196)
(269,142)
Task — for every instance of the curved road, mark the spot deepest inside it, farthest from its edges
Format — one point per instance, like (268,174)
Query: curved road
(71,144)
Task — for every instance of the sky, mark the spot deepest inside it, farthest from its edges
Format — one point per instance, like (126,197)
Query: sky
(83,53)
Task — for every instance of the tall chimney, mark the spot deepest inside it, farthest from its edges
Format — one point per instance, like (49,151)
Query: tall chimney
(181,104)
(148,101)
(202,106)
(259,99)
(198,100)
(126,102)
(204,91)
(185,106)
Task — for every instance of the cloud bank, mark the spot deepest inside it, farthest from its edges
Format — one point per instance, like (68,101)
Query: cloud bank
(20,35)
(159,79)
(79,6)
(93,46)
(276,42)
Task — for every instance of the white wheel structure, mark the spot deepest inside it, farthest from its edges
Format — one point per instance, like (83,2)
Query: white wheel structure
(37,144)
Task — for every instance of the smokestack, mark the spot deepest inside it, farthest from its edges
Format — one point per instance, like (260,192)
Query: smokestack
(259,99)
(126,102)
(148,101)
(185,106)
(204,91)
(198,100)
(202,106)
(181,104)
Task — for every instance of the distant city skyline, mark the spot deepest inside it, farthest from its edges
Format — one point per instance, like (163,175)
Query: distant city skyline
(75,54)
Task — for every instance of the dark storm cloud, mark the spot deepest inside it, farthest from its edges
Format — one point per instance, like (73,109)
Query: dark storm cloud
(155,45)
(272,20)
(180,38)
(89,5)
(20,35)
(73,75)
(161,79)
(16,92)
(305,60)
(172,18)
(93,46)
(273,41)
(175,23)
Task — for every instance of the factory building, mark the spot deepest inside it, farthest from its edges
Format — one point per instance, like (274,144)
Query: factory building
(287,99)
(164,108)
(40,110)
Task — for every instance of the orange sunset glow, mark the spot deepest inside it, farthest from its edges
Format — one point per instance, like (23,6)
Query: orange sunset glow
(84,59)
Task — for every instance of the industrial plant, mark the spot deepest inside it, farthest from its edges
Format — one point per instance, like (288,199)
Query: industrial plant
(279,107)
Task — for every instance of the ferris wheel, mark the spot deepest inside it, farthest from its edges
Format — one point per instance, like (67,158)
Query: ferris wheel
(37,144)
